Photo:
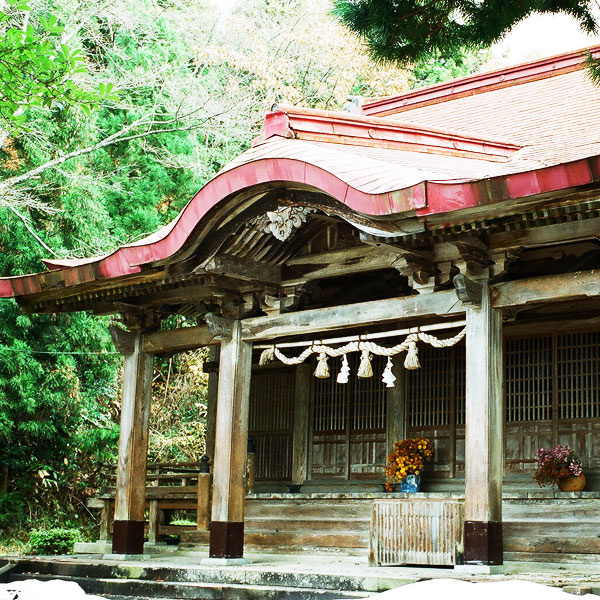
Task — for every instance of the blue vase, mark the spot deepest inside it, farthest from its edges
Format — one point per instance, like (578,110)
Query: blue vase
(411,484)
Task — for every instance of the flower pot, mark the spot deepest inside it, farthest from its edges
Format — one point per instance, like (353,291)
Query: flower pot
(572,484)
(410,484)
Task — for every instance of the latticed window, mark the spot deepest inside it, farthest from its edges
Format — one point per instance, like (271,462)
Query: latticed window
(271,422)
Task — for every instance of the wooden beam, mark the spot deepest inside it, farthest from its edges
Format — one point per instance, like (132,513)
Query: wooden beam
(231,436)
(247,270)
(130,500)
(484,435)
(335,263)
(391,310)
(571,231)
(178,340)
(548,288)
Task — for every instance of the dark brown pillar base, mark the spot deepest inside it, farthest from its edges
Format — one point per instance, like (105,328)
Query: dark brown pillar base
(483,543)
(128,537)
(226,539)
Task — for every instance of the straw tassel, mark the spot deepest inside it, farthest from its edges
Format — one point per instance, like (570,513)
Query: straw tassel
(411,362)
(322,370)
(388,376)
(267,356)
(344,371)
(365,369)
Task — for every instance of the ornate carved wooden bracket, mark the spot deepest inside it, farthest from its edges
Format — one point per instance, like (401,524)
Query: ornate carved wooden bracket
(123,340)
(473,256)
(282,222)
(467,290)
(287,300)
(502,261)
(219,326)
(419,268)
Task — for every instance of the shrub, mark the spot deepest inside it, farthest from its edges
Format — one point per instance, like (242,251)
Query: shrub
(52,541)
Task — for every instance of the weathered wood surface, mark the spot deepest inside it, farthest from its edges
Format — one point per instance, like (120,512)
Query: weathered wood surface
(484,417)
(416,531)
(335,263)
(301,423)
(231,428)
(396,408)
(507,294)
(211,405)
(392,310)
(549,234)
(549,288)
(178,340)
(203,505)
(133,437)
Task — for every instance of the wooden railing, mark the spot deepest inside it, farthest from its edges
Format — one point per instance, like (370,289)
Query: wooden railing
(169,487)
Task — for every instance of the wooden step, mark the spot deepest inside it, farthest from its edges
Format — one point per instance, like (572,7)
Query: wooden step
(324,524)
(291,540)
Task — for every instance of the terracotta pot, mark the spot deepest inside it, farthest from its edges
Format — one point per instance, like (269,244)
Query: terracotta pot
(572,484)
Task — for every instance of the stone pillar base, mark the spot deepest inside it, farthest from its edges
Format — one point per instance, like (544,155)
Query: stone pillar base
(483,543)
(226,539)
(128,537)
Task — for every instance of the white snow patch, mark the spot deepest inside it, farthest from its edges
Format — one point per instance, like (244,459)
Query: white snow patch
(32,589)
(454,589)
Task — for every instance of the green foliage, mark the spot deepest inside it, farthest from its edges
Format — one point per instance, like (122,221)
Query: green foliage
(408,31)
(438,68)
(52,541)
(204,81)
(36,67)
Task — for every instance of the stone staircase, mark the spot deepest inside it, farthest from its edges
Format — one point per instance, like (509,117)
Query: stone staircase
(141,580)
(295,525)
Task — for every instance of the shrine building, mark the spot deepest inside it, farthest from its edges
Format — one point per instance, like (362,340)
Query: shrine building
(449,239)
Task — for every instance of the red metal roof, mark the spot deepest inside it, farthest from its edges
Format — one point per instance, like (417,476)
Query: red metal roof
(357,130)
(481,83)
(510,142)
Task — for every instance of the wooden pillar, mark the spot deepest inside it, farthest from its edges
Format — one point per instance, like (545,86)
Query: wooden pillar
(484,435)
(231,433)
(396,407)
(130,499)
(211,403)
(301,411)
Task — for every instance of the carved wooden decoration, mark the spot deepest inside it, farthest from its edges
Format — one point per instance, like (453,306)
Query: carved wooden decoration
(282,222)
(124,341)
(218,326)
(467,290)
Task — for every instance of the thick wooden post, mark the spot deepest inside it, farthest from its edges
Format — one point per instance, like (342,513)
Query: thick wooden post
(484,435)
(130,500)
(301,408)
(396,408)
(231,433)
(211,404)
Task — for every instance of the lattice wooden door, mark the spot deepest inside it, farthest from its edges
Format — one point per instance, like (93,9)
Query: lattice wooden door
(348,425)
(271,422)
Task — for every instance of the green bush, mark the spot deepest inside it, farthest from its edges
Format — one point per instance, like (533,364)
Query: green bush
(52,541)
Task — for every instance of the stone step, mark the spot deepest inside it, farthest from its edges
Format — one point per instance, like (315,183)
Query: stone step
(132,588)
(176,570)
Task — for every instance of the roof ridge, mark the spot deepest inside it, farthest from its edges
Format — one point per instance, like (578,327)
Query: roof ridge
(521,73)
(360,130)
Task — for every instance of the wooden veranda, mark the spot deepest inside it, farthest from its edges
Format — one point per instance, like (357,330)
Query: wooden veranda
(336,224)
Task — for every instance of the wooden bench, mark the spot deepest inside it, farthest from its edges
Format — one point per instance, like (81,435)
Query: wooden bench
(169,487)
